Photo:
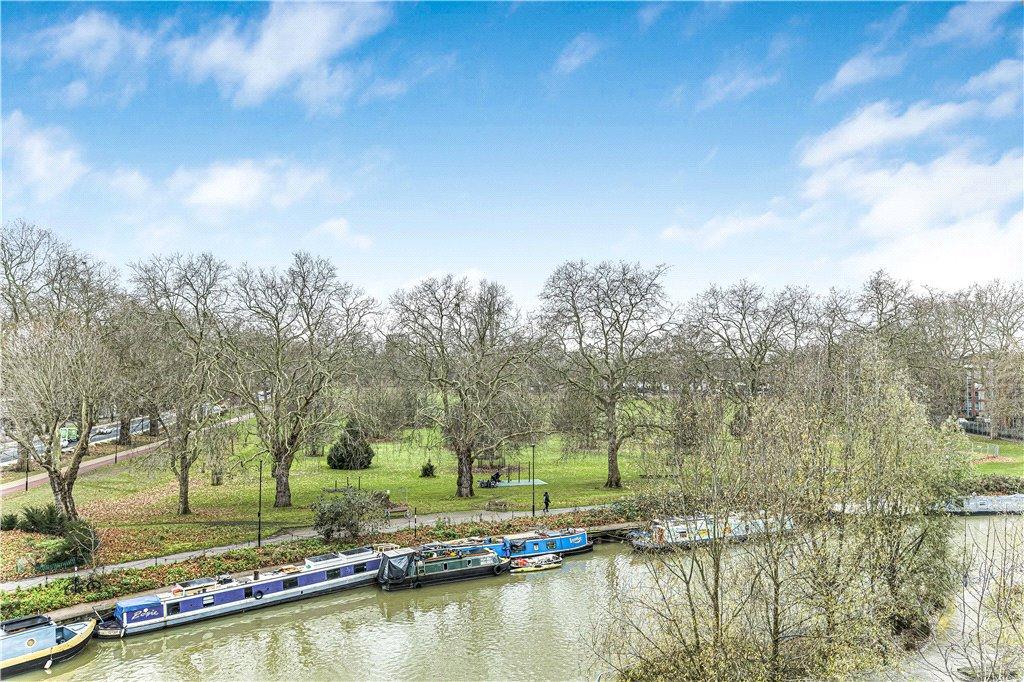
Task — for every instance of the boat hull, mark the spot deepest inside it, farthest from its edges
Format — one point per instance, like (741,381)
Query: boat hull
(114,630)
(412,582)
(61,652)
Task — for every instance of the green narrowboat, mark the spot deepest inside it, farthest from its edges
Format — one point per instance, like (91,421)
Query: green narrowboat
(410,568)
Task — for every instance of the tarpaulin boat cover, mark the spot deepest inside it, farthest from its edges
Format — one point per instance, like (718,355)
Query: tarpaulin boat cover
(393,567)
(136,604)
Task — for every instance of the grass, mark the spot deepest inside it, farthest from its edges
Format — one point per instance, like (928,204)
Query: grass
(1010,461)
(134,503)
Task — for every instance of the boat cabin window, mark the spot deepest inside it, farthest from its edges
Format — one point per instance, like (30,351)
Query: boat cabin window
(247,593)
(551,544)
(174,608)
(208,601)
(334,574)
(444,566)
(359,568)
(289,583)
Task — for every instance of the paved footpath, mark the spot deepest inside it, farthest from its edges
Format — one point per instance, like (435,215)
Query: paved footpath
(298,534)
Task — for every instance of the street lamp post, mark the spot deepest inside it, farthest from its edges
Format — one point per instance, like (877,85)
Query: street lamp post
(533,478)
(26,471)
(259,512)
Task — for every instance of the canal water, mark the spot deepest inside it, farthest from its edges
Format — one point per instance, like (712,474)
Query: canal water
(531,626)
(527,626)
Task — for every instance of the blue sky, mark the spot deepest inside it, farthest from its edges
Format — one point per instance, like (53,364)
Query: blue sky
(782,142)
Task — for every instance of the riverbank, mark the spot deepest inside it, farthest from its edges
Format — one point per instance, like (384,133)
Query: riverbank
(133,503)
(53,596)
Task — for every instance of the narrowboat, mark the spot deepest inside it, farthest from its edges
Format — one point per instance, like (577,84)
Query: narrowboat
(36,642)
(204,598)
(411,568)
(695,531)
(532,564)
(985,505)
(532,543)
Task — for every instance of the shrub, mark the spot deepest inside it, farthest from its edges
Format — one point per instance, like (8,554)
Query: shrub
(8,522)
(352,451)
(427,470)
(993,484)
(46,519)
(81,540)
(349,515)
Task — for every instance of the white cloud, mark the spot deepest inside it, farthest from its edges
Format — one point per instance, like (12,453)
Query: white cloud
(720,229)
(734,84)
(40,162)
(577,53)
(75,92)
(290,49)
(972,23)
(131,183)
(1006,75)
(980,247)
(864,67)
(421,69)
(649,14)
(247,184)
(880,124)
(911,197)
(339,230)
(95,41)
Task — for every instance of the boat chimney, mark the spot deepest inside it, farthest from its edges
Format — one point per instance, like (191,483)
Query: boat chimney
(256,575)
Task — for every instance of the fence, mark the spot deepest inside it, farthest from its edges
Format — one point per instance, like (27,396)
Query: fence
(983,429)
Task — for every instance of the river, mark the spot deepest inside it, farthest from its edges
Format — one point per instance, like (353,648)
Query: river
(530,626)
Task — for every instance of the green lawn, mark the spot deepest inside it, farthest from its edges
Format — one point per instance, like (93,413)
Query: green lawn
(135,502)
(1010,461)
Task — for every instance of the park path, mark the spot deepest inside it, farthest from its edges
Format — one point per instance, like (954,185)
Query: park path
(300,534)
(89,465)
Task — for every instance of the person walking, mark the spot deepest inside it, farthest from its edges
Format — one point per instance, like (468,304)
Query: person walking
(547,501)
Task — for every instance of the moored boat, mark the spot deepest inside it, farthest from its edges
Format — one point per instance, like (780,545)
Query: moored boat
(695,531)
(544,562)
(36,642)
(531,543)
(204,598)
(411,567)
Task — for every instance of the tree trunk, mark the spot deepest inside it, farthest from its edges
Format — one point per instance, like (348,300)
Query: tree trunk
(62,493)
(464,485)
(124,431)
(154,422)
(283,495)
(612,432)
(183,484)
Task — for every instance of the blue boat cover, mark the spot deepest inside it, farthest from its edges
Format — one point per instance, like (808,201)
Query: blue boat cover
(136,604)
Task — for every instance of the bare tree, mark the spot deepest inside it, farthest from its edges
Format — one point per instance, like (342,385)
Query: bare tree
(603,327)
(466,346)
(55,313)
(741,334)
(289,338)
(181,299)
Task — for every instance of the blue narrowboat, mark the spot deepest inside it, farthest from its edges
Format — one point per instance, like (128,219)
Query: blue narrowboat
(522,545)
(36,642)
(205,598)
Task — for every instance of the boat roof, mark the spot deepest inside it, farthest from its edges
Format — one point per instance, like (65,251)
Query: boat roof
(544,533)
(24,623)
(400,552)
(198,582)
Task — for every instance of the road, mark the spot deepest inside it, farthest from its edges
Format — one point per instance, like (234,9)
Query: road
(100,434)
